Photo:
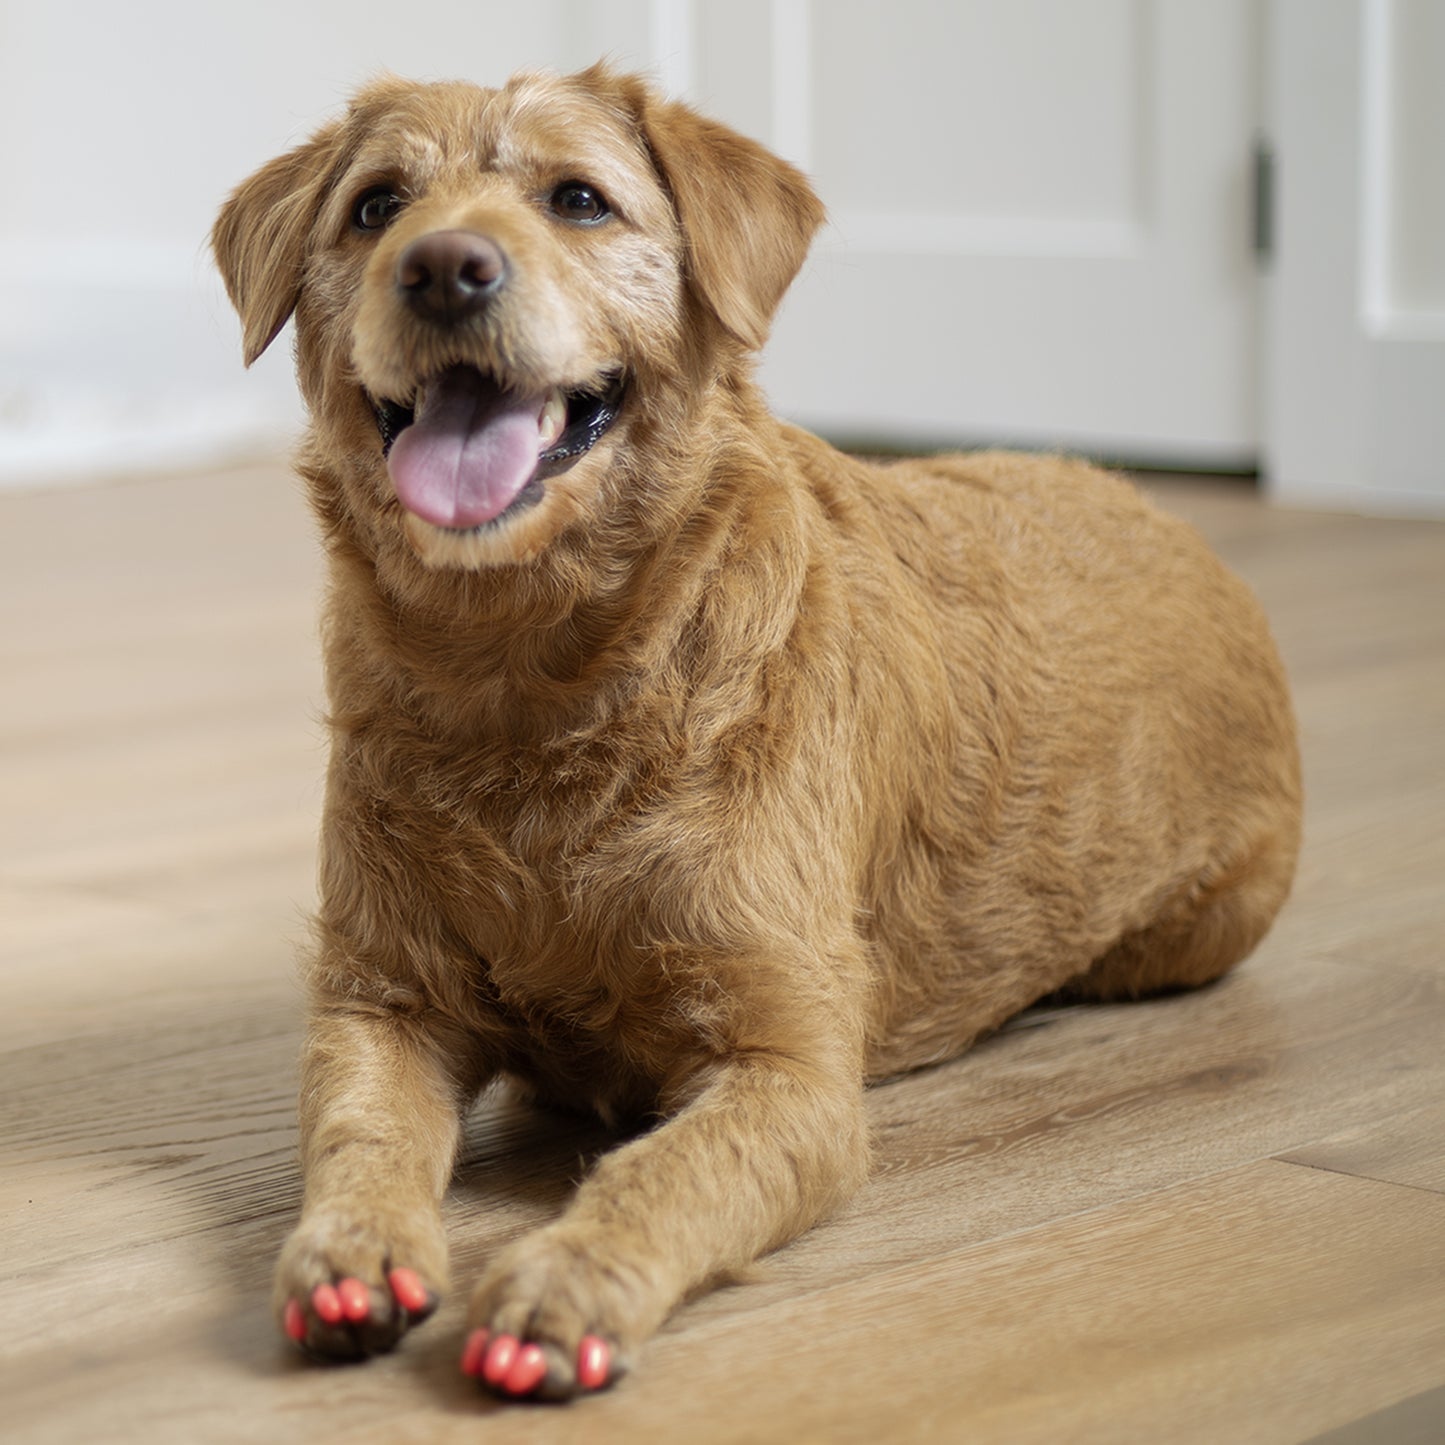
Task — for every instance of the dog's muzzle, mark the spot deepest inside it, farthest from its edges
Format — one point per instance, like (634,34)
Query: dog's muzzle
(472,447)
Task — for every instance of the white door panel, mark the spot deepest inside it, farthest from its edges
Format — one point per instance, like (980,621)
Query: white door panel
(1039,216)
(1356,304)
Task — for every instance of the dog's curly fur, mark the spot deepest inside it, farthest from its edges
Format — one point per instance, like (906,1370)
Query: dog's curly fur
(733,772)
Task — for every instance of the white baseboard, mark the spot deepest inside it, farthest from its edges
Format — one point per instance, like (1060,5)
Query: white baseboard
(100,442)
(1425,504)
(117,359)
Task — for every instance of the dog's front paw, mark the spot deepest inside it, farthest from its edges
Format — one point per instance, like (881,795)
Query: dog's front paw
(555,1317)
(347,1288)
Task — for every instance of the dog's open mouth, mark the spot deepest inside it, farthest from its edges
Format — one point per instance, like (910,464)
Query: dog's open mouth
(467,452)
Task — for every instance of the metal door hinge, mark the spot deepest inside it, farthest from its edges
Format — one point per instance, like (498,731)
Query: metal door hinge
(1262,202)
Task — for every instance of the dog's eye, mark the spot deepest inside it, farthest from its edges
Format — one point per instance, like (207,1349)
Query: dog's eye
(575,201)
(377,209)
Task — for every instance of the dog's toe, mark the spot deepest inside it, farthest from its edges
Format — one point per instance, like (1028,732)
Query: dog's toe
(543,1370)
(551,1321)
(337,1299)
(352,1319)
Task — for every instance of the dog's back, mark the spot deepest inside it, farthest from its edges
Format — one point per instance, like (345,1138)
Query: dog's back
(1116,808)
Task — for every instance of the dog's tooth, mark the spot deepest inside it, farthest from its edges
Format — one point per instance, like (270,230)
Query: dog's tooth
(552,421)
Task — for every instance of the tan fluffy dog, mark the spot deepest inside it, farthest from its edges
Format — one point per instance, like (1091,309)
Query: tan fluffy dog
(683,768)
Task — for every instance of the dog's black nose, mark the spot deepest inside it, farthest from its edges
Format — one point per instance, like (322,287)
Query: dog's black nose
(449,275)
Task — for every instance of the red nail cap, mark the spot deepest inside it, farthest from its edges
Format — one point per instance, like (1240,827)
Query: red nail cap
(411,1294)
(594,1362)
(474,1352)
(355,1300)
(327,1304)
(293,1320)
(528,1371)
(501,1355)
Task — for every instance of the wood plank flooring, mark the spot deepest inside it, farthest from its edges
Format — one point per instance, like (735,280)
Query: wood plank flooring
(1211,1218)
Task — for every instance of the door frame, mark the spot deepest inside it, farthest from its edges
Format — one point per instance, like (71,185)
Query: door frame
(1354,402)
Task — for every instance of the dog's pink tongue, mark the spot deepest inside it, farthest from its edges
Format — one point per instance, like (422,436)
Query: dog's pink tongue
(470,451)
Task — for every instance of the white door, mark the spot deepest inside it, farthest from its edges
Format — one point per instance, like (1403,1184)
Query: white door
(1356,302)
(1041,217)
(1040,214)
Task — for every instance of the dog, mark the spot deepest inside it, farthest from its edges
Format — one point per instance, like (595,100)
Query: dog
(684,770)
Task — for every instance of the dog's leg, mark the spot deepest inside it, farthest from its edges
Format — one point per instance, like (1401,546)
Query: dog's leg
(761,1147)
(381,1104)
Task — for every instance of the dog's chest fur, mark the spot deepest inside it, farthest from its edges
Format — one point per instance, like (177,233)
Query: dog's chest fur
(541,880)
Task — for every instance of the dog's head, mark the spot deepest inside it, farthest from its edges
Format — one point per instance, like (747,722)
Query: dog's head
(495,289)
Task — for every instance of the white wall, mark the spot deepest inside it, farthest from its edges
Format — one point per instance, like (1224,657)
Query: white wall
(124,127)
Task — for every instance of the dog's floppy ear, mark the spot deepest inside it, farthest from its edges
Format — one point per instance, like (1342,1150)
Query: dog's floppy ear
(747,215)
(259,239)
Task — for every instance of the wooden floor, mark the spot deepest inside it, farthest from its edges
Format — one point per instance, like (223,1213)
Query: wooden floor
(1217,1218)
